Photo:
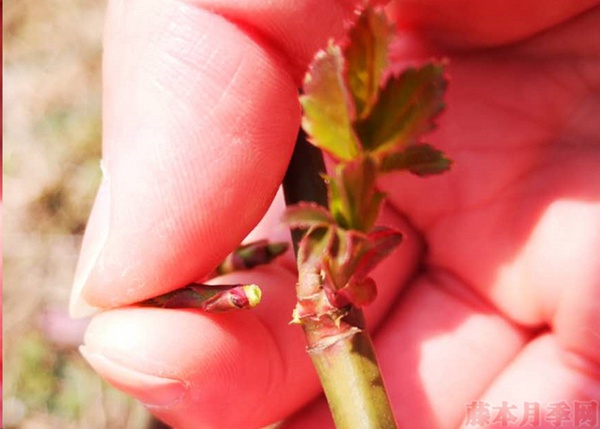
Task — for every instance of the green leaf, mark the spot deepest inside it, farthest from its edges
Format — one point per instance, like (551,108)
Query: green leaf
(328,108)
(353,198)
(406,109)
(306,215)
(366,55)
(337,203)
(420,159)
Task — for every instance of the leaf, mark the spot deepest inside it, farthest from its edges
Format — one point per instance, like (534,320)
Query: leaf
(339,266)
(350,258)
(315,245)
(359,293)
(328,108)
(406,109)
(344,254)
(382,242)
(306,215)
(337,202)
(353,197)
(420,159)
(366,55)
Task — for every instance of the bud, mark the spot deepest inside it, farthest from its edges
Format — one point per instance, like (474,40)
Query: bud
(209,298)
(250,255)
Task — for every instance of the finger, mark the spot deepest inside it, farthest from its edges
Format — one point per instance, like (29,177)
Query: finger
(197,370)
(472,24)
(200,116)
(441,347)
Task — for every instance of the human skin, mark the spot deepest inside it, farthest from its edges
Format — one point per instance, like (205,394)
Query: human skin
(494,293)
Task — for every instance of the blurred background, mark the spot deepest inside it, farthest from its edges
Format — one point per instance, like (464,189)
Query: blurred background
(51,152)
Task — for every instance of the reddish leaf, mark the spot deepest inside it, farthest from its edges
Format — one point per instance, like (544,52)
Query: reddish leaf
(344,253)
(358,294)
(381,243)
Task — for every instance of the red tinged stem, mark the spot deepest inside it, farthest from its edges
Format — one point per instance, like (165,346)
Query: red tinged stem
(210,298)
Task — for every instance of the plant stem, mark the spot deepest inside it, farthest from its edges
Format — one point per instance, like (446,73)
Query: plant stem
(303,181)
(338,343)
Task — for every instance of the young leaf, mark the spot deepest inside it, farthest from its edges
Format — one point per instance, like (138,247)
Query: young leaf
(407,108)
(350,261)
(328,108)
(337,203)
(357,293)
(306,215)
(343,256)
(419,159)
(382,241)
(353,198)
(315,245)
(366,55)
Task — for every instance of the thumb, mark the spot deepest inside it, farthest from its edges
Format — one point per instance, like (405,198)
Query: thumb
(198,120)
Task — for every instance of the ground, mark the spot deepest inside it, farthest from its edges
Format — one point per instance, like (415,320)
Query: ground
(51,153)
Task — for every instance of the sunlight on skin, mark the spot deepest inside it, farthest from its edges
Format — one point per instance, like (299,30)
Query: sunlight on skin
(559,252)
(538,375)
(441,371)
(467,24)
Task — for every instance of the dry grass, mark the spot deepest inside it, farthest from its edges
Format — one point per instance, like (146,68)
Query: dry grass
(51,157)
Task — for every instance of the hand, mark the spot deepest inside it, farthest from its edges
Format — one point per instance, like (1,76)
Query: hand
(494,293)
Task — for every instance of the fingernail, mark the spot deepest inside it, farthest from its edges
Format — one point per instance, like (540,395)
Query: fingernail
(151,390)
(94,240)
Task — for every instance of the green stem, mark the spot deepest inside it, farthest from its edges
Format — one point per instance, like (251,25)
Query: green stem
(338,343)
(347,364)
